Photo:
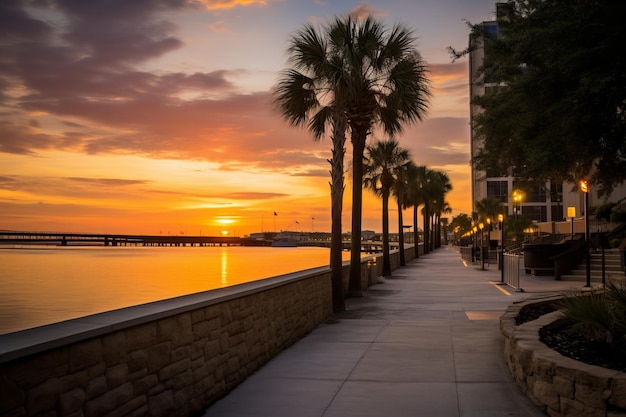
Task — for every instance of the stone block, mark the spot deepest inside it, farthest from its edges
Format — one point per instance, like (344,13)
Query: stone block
(184,332)
(43,397)
(161,405)
(198,315)
(71,401)
(563,387)
(181,352)
(197,348)
(117,375)
(114,347)
(159,356)
(543,367)
(96,387)
(143,385)
(618,392)
(573,408)
(75,380)
(170,371)
(142,411)
(545,393)
(36,369)
(183,380)
(141,337)
(85,354)
(201,329)
(11,396)
(109,401)
(166,328)
(136,403)
(137,360)
(591,395)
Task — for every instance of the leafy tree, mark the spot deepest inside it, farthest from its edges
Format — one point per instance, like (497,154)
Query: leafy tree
(383,166)
(556,101)
(461,224)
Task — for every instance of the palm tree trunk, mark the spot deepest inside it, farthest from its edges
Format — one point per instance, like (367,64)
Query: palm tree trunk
(426,221)
(401,234)
(415,235)
(336,243)
(358,149)
(386,260)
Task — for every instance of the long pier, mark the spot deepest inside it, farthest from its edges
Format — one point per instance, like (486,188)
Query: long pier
(9,237)
(89,239)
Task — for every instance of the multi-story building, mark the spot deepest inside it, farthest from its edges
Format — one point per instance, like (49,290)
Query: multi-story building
(543,203)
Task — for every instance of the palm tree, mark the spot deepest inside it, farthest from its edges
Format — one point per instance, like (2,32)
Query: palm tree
(488,208)
(386,85)
(401,191)
(416,178)
(383,161)
(311,94)
(440,208)
(435,187)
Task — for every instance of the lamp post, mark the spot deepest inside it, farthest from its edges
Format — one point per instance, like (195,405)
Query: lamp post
(501,220)
(518,196)
(474,229)
(482,247)
(571,213)
(584,187)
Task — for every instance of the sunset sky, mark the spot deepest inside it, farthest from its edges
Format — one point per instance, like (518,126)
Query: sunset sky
(155,116)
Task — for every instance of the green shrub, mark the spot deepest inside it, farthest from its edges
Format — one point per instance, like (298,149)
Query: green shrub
(618,217)
(599,314)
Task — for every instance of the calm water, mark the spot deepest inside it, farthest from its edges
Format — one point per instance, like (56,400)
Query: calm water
(50,284)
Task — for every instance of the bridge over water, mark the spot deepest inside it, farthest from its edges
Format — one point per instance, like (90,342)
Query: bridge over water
(98,239)
(8,237)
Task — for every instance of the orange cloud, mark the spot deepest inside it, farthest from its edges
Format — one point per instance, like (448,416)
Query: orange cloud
(229,4)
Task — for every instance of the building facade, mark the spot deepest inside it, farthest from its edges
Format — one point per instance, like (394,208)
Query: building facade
(541,203)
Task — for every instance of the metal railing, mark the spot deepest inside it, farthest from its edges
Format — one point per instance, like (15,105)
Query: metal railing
(512,265)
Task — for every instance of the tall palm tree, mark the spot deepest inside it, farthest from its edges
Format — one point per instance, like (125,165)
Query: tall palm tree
(382,163)
(386,86)
(401,191)
(440,208)
(416,178)
(435,187)
(311,94)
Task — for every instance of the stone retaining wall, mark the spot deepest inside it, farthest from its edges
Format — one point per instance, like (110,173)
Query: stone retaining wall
(172,361)
(560,386)
(170,358)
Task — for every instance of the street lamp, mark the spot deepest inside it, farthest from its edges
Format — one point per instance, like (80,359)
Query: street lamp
(501,220)
(475,229)
(482,247)
(517,200)
(584,187)
(571,213)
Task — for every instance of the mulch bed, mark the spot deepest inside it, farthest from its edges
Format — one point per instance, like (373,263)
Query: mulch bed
(562,337)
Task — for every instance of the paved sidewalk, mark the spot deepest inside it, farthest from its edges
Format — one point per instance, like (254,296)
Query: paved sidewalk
(425,343)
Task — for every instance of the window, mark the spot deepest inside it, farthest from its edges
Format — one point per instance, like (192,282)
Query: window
(536,194)
(499,190)
(537,213)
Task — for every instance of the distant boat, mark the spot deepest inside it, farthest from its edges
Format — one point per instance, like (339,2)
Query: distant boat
(284,244)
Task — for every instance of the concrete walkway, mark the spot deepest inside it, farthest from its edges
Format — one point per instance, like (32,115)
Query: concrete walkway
(425,343)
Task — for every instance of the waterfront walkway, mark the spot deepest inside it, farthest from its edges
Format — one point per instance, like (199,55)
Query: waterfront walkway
(425,343)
